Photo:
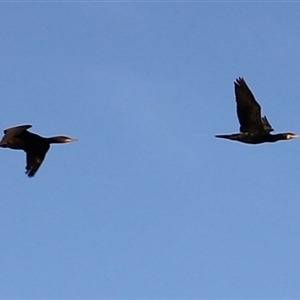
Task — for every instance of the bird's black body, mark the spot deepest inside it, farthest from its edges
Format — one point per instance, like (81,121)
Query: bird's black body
(254,129)
(35,146)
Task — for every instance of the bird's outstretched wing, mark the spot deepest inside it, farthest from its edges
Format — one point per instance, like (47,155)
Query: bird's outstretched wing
(14,133)
(17,129)
(248,110)
(33,162)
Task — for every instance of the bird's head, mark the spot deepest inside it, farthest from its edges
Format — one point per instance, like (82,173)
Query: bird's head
(68,139)
(61,140)
(290,135)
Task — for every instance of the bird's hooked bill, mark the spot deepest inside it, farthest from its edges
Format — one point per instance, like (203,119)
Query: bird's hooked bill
(292,136)
(71,140)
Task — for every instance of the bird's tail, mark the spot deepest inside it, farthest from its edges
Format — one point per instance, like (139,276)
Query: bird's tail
(233,137)
(223,136)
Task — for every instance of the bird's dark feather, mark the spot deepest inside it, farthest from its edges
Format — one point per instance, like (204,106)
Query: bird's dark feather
(33,162)
(248,110)
(16,130)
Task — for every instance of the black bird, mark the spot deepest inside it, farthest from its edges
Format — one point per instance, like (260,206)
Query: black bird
(35,146)
(254,129)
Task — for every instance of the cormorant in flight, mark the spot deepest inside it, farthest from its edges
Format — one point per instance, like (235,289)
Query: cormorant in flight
(254,129)
(35,146)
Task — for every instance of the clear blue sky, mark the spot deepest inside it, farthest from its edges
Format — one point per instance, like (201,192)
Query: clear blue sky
(149,204)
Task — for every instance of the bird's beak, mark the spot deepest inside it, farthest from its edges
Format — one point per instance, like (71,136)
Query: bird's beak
(292,136)
(69,140)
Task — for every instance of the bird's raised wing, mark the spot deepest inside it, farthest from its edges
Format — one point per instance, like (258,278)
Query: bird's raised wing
(248,110)
(14,134)
(33,162)
(17,129)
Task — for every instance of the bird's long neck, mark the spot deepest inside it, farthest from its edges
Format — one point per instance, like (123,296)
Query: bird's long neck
(55,140)
(272,138)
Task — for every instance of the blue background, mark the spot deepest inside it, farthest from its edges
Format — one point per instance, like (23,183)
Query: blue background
(148,203)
